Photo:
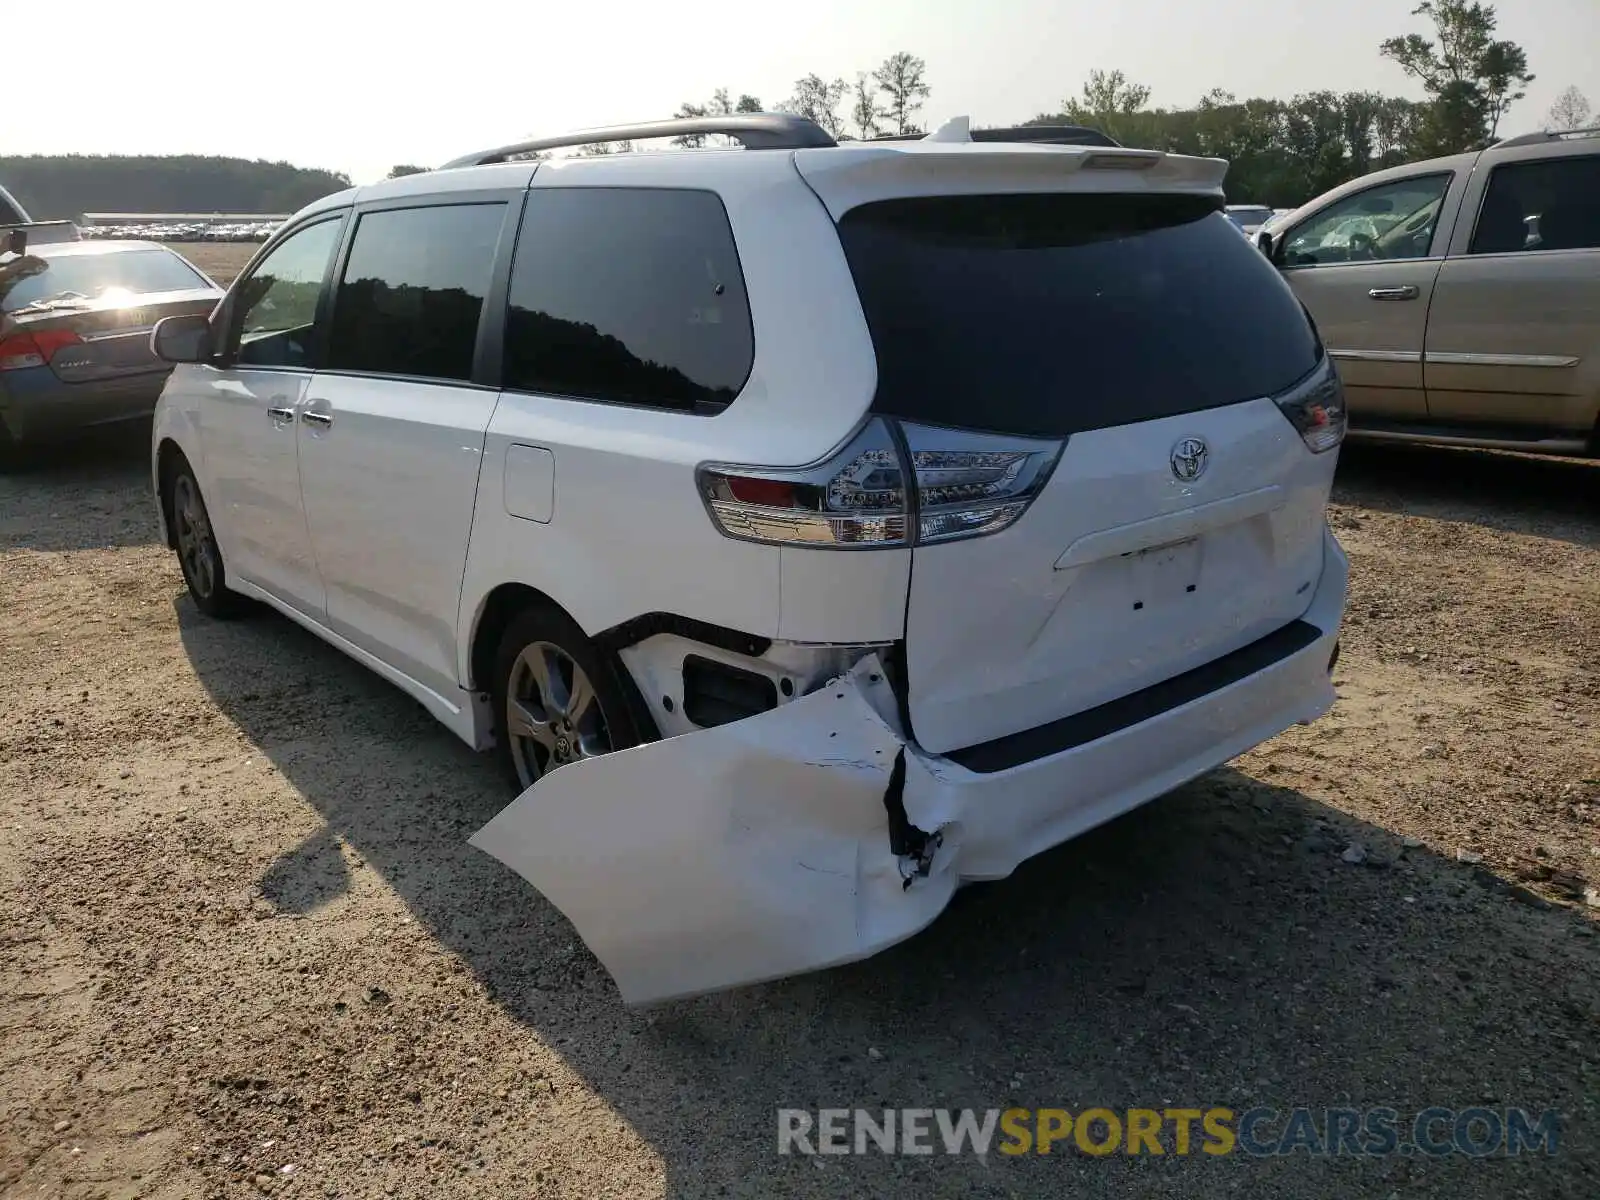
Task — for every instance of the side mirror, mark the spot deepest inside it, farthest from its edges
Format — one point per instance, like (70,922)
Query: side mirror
(1264,242)
(185,339)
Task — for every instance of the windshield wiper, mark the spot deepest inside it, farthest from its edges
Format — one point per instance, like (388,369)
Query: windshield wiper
(59,300)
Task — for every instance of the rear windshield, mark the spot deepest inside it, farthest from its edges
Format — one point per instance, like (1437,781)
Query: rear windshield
(1053,314)
(97,276)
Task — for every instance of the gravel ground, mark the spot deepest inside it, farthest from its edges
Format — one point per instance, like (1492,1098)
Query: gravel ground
(246,948)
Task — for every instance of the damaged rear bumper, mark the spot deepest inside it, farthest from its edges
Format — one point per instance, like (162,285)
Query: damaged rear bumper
(816,834)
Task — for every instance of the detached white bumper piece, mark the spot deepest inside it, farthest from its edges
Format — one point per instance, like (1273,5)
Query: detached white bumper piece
(815,834)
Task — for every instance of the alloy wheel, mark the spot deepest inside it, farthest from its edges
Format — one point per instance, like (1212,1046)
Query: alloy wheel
(197,548)
(553,715)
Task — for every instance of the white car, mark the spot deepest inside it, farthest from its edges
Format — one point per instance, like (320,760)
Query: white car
(844,522)
(1248,217)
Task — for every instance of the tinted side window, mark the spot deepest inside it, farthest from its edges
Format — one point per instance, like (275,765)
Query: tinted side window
(633,296)
(1549,205)
(275,308)
(412,291)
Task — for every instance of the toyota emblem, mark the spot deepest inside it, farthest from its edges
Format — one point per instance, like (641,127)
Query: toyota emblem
(1188,460)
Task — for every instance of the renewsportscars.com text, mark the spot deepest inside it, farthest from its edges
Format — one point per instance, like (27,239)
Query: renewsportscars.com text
(1099,1131)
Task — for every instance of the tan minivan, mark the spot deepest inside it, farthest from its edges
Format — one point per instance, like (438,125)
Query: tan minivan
(1461,296)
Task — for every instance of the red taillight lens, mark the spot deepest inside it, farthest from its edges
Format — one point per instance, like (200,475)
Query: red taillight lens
(965,484)
(24,350)
(854,499)
(771,492)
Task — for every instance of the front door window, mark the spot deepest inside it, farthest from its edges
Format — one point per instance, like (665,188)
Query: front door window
(1391,221)
(275,308)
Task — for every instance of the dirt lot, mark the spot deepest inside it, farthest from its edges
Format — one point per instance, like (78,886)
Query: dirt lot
(220,260)
(246,948)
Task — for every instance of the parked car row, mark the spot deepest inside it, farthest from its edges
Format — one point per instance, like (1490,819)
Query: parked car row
(191,231)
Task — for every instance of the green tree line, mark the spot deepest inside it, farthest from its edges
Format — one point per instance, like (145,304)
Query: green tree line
(1281,152)
(1285,152)
(67,186)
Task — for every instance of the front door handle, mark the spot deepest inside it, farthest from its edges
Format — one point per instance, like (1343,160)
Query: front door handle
(280,414)
(320,419)
(1395,293)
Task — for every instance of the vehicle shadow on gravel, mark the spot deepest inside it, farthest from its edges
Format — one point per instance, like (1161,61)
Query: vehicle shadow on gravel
(1211,949)
(1547,497)
(88,494)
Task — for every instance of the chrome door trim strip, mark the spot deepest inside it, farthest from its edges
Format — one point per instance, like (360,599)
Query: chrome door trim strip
(1453,359)
(1388,356)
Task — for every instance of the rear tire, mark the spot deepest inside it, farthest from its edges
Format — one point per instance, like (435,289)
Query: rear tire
(556,700)
(10,451)
(199,556)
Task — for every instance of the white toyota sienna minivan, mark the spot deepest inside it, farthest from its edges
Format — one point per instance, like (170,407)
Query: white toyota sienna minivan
(846,522)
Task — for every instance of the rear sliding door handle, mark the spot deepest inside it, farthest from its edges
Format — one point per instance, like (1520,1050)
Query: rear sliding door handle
(320,419)
(1395,293)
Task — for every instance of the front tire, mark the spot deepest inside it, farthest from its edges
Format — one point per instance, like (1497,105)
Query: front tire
(199,557)
(10,451)
(556,700)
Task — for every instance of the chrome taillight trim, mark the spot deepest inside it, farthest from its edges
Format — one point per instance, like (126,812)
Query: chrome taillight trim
(963,484)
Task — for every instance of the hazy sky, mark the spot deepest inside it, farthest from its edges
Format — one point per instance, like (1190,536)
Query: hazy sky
(358,87)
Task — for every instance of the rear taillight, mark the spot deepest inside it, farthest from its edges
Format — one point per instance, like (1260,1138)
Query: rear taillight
(963,485)
(1315,407)
(24,350)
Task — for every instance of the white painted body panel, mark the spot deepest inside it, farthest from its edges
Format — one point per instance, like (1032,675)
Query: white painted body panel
(1084,599)
(763,850)
(252,478)
(629,533)
(389,489)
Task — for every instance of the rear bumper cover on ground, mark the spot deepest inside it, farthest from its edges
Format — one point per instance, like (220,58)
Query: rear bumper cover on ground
(763,848)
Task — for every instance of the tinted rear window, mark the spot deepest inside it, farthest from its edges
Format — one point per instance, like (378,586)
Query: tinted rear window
(92,276)
(1053,314)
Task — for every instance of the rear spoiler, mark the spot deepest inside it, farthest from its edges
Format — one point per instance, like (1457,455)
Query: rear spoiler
(1047,135)
(929,167)
(17,238)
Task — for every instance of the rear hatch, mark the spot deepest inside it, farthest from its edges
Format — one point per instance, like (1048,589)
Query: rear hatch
(1127,323)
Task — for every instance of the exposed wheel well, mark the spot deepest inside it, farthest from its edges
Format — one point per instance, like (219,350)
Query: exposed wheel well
(168,459)
(500,608)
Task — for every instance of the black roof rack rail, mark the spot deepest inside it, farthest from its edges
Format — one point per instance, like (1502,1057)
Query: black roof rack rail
(754,131)
(1050,135)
